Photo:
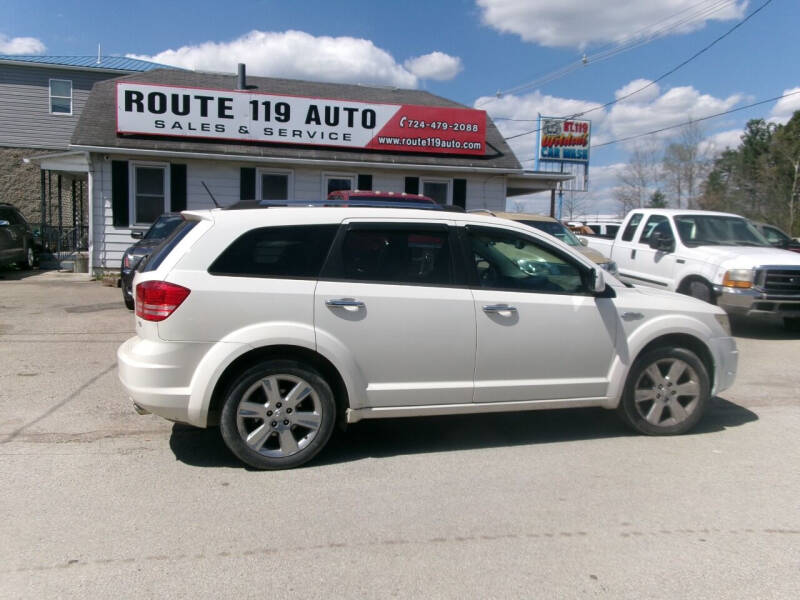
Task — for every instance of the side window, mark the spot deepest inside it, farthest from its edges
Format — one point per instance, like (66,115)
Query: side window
(630,228)
(611,231)
(655,224)
(61,96)
(402,255)
(507,261)
(296,252)
(275,185)
(774,236)
(149,186)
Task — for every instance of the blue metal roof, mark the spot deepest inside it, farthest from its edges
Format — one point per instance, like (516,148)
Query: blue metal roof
(116,63)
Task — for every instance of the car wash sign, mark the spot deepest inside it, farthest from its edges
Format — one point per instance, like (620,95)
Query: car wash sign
(564,140)
(146,109)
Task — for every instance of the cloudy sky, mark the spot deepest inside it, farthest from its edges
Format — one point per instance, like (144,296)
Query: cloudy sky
(513,58)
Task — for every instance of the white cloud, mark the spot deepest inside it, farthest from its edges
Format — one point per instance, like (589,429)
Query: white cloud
(786,107)
(294,54)
(649,91)
(721,141)
(21,45)
(653,109)
(577,23)
(676,105)
(436,65)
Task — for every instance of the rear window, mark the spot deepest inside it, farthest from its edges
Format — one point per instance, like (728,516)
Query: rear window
(152,262)
(286,252)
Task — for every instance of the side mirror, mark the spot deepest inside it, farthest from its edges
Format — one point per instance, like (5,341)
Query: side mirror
(137,235)
(661,242)
(583,241)
(598,281)
(4,223)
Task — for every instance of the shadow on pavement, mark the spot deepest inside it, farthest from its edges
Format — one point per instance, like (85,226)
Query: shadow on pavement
(762,328)
(391,437)
(15,274)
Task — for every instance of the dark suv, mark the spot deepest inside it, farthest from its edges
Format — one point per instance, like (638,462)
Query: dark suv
(16,239)
(164,225)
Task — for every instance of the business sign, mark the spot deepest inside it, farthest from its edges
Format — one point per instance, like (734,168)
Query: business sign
(146,109)
(564,140)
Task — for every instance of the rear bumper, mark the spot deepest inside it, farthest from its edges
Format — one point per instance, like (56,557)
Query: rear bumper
(157,376)
(750,302)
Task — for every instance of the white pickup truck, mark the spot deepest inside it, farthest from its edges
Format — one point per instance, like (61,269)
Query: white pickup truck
(716,257)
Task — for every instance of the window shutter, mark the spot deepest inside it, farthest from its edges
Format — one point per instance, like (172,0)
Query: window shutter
(364,182)
(177,187)
(119,193)
(247,183)
(460,192)
(412,185)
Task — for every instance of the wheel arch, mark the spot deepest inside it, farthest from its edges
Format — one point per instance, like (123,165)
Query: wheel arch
(314,359)
(682,340)
(683,286)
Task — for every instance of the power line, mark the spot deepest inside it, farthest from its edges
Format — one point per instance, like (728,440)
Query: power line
(706,118)
(637,39)
(661,77)
(727,112)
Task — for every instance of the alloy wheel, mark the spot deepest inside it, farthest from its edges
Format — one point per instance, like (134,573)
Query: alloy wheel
(279,415)
(667,392)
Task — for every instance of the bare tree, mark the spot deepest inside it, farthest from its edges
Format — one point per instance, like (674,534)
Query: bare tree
(686,164)
(573,204)
(640,177)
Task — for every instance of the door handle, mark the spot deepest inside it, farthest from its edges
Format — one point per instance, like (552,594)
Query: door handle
(633,254)
(496,308)
(344,303)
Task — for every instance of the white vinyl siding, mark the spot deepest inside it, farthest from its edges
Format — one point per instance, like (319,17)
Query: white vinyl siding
(222,178)
(25,117)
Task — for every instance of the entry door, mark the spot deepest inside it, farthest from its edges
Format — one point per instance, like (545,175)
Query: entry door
(541,335)
(387,298)
(655,268)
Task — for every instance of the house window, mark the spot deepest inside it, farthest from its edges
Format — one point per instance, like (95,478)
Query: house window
(275,185)
(337,181)
(438,189)
(61,96)
(149,184)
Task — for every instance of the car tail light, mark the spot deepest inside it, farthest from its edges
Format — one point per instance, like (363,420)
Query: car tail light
(156,300)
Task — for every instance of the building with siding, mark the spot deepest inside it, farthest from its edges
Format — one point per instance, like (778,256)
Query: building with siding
(41,100)
(152,142)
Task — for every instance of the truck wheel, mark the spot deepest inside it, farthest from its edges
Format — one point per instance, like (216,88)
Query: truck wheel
(278,415)
(666,392)
(700,290)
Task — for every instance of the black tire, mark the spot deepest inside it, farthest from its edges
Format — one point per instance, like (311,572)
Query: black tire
(29,262)
(663,416)
(279,419)
(791,323)
(697,288)
(128,298)
(30,259)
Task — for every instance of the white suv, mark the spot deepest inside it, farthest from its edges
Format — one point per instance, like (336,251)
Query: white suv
(277,323)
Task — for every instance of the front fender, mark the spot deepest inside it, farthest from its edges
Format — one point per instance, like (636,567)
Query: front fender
(631,345)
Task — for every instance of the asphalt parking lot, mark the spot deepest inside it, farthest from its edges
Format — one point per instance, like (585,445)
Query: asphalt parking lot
(98,501)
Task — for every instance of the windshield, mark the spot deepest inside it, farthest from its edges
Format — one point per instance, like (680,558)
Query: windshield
(162,227)
(714,230)
(555,229)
